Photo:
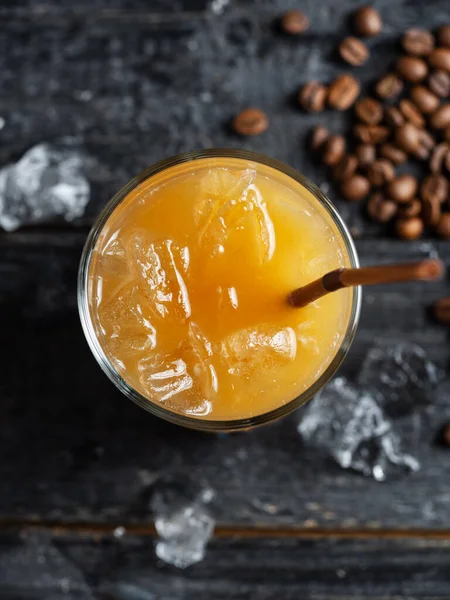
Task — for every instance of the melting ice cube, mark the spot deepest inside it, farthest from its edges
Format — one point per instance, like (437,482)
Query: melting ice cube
(231,203)
(114,259)
(161,267)
(47,182)
(185,379)
(126,322)
(348,422)
(265,347)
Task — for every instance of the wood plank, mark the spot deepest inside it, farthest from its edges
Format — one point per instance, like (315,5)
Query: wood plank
(41,566)
(74,448)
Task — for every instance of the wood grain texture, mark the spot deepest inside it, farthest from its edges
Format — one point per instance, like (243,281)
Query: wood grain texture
(40,566)
(74,448)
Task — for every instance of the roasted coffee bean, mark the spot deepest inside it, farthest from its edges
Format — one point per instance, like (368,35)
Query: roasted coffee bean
(334,150)
(393,117)
(431,211)
(294,22)
(439,156)
(447,163)
(389,86)
(367,21)
(440,119)
(411,68)
(318,137)
(369,111)
(343,92)
(411,113)
(365,154)
(443,227)
(434,187)
(356,188)
(380,172)
(439,83)
(381,209)
(440,59)
(441,311)
(407,138)
(353,51)
(409,229)
(426,144)
(312,96)
(251,121)
(371,134)
(346,168)
(394,154)
(446,134)
(443,36)
(402,188)
(412,209)
(418,42)
(426,101)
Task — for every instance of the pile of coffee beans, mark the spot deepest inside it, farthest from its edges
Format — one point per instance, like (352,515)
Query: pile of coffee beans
(406,120)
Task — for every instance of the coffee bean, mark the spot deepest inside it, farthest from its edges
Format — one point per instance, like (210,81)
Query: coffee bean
(334,150)
(345,168)
(440,119)
(389,86)
(353,51)
(446,134)
(447,163)
(426,101)
(318,137)
(411,68)
(443,227)
(294,22)
(412,209)
(441,311)
(356,188)
(251,121)
(371,134)
(380,172)
(381,209)
(409,229)
(394,154)
(443,36)
(365,154)
(407,138)
(367,21)
(439,156)
(312,96)
(426,144)
(418,42)
(343,92)
(431,209)
(434,187)
(369,111)
(440,59)
(439,83)
(402,188)
(393,117)
(411,113)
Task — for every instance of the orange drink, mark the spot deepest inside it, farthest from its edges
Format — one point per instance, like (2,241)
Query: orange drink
(184,287)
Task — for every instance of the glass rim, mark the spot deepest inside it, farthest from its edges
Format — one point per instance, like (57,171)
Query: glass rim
(156,409)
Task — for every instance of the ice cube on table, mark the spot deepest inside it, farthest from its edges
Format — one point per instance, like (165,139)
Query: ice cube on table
(161,267)
(182,519)
(265,347)
(401,375)
(46,183)
(231,209)
(185,379)
(348,422)
(126,322)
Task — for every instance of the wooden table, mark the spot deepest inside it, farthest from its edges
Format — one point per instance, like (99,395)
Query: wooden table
(138,81)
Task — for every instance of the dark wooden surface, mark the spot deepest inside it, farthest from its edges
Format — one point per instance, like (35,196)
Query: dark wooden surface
(137,81)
